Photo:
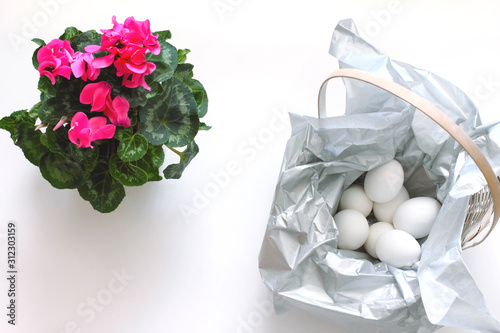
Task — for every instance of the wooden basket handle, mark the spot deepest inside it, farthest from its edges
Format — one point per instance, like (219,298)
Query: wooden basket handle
(432,112)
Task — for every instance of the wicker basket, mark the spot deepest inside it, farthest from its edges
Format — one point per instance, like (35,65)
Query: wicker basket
(484,206)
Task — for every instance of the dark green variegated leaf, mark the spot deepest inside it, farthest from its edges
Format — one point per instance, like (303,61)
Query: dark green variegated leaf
(38,41)
(156,88)
(200,95)
(33,112)
(156,155)
(65,103)
(163,35)
(30,141)
(12,122)
(172,117)
(204,127)
(45,86)
(152,161)
(127,173)
(182,55)
(132,146)
(133,119)
(40,44)
(57,141)
(100,189)
(84,39)
(166,62)
(135,96)
(61,172)
(184,72)
(175,170)
(47,112)
(68,97)
(84,156)
(70,33)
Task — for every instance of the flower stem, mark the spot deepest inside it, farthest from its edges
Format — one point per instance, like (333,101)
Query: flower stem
(175,151)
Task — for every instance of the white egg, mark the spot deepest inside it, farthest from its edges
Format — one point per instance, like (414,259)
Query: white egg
(384,182)
(398,248)
(385,211)
(353,229)
(416,216)
(374,233)
(354,197)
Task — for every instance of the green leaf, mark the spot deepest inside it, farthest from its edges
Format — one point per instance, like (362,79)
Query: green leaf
(70,33)
(156,88)
(156,155)
(30,141)
(200,95)
(68,97)
(127,173)
(12,122)
(166,62)
(33,112)
(84,156)
(100,189)
(38,41)
(204,127)
(65,102)
(45,86)
(152,161)
(175,170)
(182,55)
(84,39)
(57,141)
(60,171)
(184,72)
(132,146)
(170,118)
(47,112)
(34,59)
(163,35)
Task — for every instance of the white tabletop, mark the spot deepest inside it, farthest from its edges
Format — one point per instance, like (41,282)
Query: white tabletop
(181,255)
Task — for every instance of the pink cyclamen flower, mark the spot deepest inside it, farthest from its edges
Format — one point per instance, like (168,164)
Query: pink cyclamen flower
(140,34)
(128,44)
(54,59)
(117,111)
(96,94)
(82,66)
(132,79)
(132,65)
(99,96)
(83,130)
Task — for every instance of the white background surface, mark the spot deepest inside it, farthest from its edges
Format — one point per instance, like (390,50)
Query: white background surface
(258,60)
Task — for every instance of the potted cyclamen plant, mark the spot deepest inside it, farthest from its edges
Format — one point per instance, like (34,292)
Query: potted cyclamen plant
(109,104)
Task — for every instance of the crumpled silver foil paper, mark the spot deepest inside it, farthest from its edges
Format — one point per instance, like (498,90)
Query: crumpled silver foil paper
(299,260)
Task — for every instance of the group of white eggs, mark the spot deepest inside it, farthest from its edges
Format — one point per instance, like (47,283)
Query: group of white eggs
(401,220)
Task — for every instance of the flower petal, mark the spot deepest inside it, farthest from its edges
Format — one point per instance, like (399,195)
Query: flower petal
(103,62)
(92,48)
(80,119)
(105,132)
(79,133)
(97,122)
(84,139)
(139,69)
(121,107)
(64,71)
(78,68)
(96,94)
